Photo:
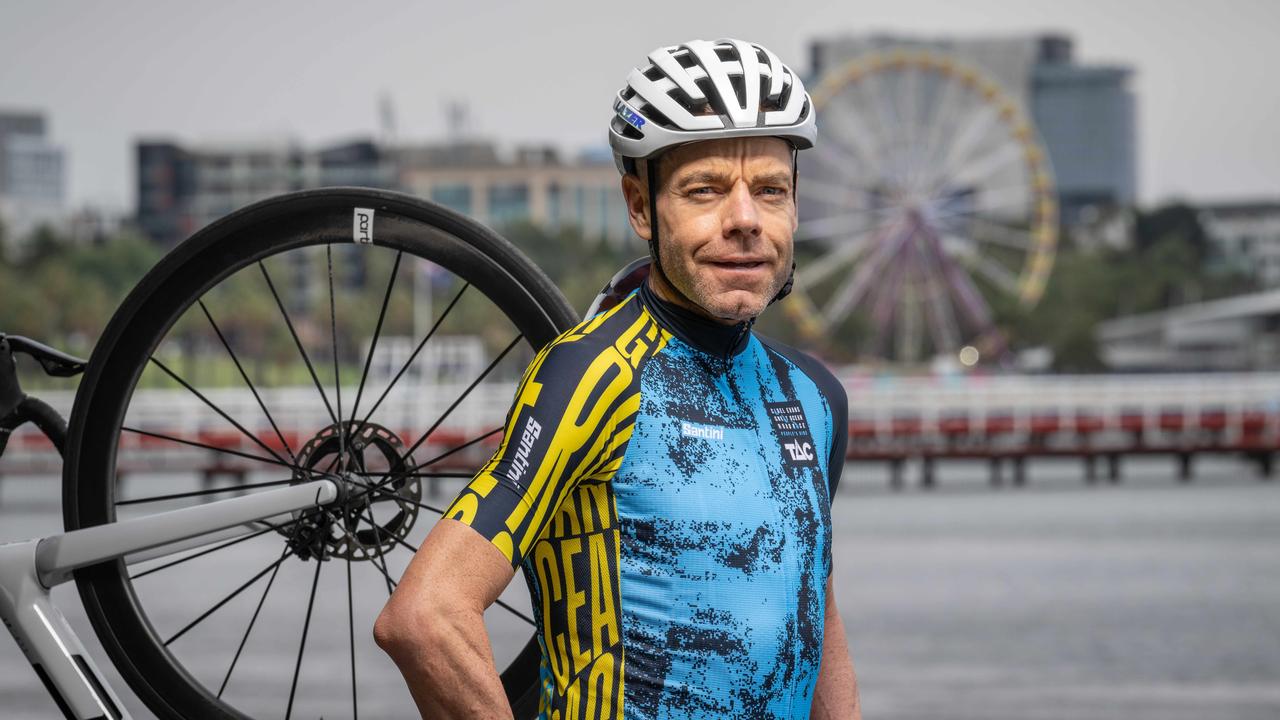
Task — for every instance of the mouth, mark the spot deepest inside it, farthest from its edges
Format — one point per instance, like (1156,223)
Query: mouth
(739,265)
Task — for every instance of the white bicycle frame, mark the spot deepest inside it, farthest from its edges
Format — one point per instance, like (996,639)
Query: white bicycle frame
(30,569)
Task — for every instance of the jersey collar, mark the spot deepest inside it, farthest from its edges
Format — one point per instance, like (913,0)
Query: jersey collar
(717,339)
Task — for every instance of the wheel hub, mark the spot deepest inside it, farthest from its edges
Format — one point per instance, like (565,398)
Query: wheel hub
(378,494)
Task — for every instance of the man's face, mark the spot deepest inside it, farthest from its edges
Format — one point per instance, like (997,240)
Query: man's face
(726,216)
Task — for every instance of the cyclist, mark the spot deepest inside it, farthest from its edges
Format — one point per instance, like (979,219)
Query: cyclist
(665,476)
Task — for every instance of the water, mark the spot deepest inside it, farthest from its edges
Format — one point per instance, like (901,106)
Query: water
(1145,600)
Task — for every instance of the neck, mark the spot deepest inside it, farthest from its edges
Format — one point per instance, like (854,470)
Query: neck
(665,289)
(719,339)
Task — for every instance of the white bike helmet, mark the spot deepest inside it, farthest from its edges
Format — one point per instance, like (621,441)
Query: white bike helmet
(705,90)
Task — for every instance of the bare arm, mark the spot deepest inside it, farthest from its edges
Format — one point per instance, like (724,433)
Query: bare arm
(836,696)
(433,625)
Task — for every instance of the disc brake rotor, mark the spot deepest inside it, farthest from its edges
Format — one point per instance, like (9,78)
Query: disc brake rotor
(379,505)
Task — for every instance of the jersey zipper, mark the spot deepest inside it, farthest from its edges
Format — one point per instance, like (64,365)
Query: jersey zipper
(737,340)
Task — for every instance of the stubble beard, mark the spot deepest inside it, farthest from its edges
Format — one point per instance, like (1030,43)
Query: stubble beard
(702,292)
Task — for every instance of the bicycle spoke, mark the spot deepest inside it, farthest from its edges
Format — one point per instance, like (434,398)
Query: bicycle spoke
(402,542)
(193,443)
(386,574)
(306,626)
(199,493)
(462,397)
(377,332)
(374,558)
(379,489)
(351,638)
(337,378)
(253,620)
(515,612)
(227,544)
(504,605)
(384,475)
(377,533)
(228,598)
(217,409)
(466,444)
(297,341)
(247,381)
(414,354)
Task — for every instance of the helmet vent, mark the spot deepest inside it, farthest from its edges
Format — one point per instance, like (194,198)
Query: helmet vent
(699,90)
(655,116)
(620,126)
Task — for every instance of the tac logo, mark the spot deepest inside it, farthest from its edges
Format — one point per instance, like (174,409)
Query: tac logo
(799,451)
(362,225)
(791,427)
(626,113)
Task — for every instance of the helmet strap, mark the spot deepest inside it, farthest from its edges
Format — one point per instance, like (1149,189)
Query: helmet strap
(651,173)
(785,290)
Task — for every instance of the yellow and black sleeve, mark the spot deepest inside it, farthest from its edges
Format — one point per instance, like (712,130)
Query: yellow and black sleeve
(570,420)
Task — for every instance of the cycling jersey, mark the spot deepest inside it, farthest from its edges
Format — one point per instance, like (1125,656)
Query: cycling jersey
(664,481)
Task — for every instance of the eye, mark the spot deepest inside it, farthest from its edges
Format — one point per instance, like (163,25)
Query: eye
(775,191)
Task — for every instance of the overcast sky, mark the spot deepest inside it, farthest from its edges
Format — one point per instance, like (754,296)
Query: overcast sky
(106,73)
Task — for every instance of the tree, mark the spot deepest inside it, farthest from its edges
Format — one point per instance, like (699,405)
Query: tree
(577,264)
(44,243)
(1175,221)
(1163,268)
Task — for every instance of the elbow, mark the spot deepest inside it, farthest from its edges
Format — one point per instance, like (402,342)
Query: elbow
(397,631)
(402,629)
(387,630)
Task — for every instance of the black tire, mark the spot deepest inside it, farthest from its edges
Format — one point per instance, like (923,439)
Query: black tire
(404,224)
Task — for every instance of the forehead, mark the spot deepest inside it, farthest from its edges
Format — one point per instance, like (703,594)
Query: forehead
(762,154)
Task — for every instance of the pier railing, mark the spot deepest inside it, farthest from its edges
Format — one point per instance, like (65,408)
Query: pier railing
(891,419)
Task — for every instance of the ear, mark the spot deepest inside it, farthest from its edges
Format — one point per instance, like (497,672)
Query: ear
(637,198)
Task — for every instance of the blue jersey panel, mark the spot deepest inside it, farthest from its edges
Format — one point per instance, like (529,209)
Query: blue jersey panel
(723,509)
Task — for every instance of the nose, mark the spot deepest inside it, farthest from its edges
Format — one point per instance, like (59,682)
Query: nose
(740,214)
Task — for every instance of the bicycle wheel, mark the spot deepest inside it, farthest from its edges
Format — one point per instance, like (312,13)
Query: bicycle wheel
(237,358)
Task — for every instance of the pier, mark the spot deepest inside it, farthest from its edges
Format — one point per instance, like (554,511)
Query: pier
(927,422)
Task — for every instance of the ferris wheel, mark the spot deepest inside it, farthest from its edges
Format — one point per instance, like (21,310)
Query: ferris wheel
(928,195)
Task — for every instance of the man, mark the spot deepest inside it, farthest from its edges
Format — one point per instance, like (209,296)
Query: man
(666,475)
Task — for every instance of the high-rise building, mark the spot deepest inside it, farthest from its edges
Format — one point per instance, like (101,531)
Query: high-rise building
(1084,114)
(31,174)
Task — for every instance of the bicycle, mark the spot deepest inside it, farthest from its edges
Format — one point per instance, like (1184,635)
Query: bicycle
(353,485)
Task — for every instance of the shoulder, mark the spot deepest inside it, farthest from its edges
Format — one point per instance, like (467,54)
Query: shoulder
(837,404)
(812,368)
(624,334)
